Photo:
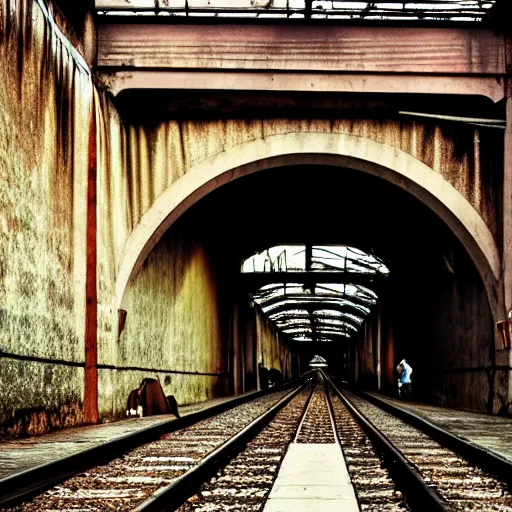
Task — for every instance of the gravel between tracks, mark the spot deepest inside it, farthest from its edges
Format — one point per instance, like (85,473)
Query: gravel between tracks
(244,484)
(127,481)
(463,485)
(374,487)
(317,426)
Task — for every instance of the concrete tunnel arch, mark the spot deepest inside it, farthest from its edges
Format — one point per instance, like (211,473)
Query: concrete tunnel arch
(326,149)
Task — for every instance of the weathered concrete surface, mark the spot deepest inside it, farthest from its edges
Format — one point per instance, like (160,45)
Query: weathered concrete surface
(17,455)
(273,350)
(441,170)
(45,101)
(289,48)
(468,158)
(270,57)
(175,321)
(312,477)
(441,322)
(147,165)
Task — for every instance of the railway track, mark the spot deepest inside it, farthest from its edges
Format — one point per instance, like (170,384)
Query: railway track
(230,462)
(460,484)
(245,483)
(133,477)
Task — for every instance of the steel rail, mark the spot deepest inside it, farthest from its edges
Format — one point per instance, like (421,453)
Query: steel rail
(25,485)
(418,494)
(477,455)
(175,494)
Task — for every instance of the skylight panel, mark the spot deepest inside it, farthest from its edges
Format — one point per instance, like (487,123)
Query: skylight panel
(288,313)
(378,10)
(297,330)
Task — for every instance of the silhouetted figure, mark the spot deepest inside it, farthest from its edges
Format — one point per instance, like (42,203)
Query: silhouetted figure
(133,403)
(275,377)
(173,405)
(152,398)
(149,399)
(263,372)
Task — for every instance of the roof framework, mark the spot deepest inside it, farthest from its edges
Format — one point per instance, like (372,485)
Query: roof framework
(315,310)
(380,10)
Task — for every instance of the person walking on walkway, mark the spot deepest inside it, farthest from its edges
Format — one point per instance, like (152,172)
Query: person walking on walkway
(404,381)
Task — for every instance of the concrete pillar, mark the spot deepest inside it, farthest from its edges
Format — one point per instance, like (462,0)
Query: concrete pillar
(507,194)
(378,351)
(259,358)
(507,205)
(237,354)
(389,355)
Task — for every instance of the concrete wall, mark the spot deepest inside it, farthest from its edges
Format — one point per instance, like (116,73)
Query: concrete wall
(441,322)
(177,322)
(45,104)
(151,158)
(159,155)
(273,351)
(45,101)
(460,332)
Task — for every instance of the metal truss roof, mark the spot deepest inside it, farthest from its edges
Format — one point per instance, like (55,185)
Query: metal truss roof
(315,310)
(316,258)
(379,10)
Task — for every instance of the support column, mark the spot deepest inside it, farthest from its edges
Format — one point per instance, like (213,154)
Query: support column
(378,366)
(259,358)
(237,354)
(91,304)
(507,206)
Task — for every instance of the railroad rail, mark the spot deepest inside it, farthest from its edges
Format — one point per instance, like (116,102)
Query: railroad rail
(246,482)
(230,461)
(461,475)
(26,485)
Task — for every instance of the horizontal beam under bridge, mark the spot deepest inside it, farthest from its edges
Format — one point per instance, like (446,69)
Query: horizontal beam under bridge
(258,279)
(301,58)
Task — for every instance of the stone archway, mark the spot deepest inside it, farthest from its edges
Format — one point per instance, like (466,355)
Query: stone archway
(312,148)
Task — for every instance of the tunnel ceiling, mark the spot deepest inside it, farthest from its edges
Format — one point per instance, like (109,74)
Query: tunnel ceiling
(320,206)
(376,10)
(312,310)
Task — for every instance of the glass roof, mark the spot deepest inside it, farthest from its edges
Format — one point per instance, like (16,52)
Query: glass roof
(355,293)
(324,258)
(291,303)
(310,310)
(380,10)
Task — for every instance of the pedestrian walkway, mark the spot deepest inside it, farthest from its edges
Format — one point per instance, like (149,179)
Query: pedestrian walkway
(18,455)
(312,478)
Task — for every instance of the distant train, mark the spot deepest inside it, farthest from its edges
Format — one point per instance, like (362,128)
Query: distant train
(318,362)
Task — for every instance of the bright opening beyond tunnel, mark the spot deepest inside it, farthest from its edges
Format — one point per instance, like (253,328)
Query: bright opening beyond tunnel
(316,293)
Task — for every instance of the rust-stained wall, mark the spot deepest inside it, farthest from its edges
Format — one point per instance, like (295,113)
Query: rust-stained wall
(45,103)
(138,163)
(173,304)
